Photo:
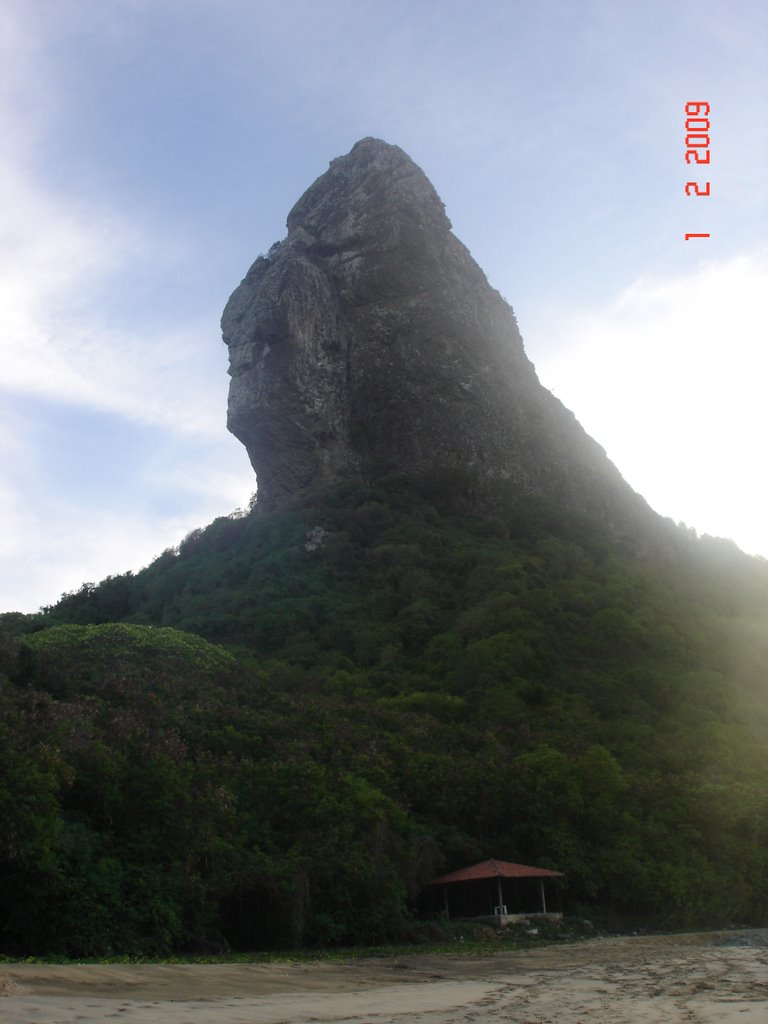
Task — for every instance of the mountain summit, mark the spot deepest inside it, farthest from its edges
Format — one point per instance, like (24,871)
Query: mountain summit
(281,732)
(369,342)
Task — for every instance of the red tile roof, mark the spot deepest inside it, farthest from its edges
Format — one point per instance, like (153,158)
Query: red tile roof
(495,869)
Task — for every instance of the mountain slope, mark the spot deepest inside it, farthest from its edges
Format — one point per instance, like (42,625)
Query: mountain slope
(447,631)
(405,691)
(369,342)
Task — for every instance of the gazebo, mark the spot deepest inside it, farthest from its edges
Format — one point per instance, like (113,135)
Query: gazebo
(482,890)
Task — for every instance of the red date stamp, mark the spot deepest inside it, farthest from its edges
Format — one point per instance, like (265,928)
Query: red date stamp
(697,151)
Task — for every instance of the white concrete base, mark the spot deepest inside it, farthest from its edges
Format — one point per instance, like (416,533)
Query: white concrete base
(501,920)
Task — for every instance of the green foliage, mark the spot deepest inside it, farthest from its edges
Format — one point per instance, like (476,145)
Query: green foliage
(262,741)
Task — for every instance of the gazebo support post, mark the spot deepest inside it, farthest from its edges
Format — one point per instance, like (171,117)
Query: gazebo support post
(484,873)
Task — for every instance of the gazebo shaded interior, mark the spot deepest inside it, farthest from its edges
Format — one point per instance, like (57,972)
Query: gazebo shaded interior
(482,889)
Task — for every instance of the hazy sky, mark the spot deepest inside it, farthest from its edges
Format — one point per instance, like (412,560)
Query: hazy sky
(151,149)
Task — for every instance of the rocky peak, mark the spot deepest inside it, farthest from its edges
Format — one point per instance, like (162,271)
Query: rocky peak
(370,342)
(364,194)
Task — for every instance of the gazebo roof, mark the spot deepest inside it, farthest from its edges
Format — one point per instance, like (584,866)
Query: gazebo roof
(495,869)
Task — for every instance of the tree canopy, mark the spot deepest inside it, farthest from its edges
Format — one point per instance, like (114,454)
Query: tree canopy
(279,732)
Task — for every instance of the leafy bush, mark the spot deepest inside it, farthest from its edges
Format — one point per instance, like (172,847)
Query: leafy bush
(280,743)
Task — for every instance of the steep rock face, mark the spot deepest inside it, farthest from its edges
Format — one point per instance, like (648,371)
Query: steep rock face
(369,341)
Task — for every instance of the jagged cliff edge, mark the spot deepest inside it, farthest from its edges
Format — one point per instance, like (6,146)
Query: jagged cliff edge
(369,341)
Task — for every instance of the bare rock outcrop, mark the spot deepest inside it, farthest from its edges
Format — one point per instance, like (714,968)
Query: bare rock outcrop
(370,342)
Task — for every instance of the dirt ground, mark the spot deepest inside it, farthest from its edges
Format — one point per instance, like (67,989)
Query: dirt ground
(691,979)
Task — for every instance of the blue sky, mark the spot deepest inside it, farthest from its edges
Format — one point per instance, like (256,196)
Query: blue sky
(153,148)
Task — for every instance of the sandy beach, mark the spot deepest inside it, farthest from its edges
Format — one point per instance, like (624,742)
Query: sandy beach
(691,979)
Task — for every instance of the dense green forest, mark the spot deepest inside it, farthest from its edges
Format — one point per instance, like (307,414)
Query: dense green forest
(278,733)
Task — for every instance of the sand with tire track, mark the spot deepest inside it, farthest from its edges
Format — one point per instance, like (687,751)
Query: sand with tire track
(690,979)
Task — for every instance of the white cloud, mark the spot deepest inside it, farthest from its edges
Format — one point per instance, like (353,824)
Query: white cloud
(105,511)
(57,338)
(63,545)
(91,363)
(78,318)
(670,379)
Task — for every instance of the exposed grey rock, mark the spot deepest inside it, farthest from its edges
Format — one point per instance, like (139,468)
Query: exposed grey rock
(754,937)
(315,538)
(369,342)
